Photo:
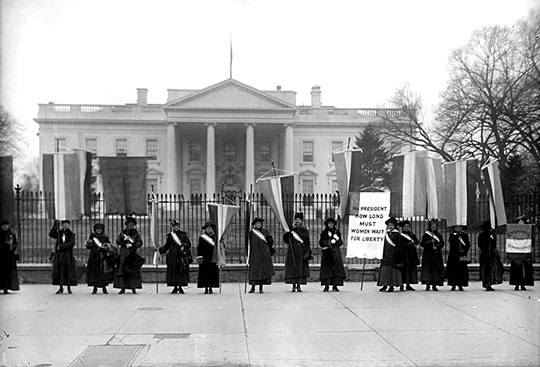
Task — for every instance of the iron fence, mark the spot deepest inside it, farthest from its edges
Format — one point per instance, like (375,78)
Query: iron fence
(35,245)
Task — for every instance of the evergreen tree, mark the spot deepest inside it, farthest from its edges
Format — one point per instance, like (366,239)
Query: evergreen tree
(375,166)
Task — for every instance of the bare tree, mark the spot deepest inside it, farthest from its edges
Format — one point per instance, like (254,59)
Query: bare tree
(10,133)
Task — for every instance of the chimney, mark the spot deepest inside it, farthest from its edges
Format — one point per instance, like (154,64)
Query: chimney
(316,96)
(142,96)
(278,87)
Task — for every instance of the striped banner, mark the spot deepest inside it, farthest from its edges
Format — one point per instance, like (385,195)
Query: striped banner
(278,192)
(67,176)
(434,190)
(519,238)
(492,180)
(154,228)
(350,180)
(221,215)
(461,179)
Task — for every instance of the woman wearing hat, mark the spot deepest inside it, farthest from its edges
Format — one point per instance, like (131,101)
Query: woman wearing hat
(128,268)
(332,271)
(409,273)
(392,260)
(178,250)
(99,271)
(208,276)
(261,249)
(521,267)
(432,274)
(491,267)
(457,271)
(298,254)
(9,278)
(63,262)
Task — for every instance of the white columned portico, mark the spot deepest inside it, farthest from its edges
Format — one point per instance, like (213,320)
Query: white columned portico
(172,167)
(288,151)
(250,158)
(210,159)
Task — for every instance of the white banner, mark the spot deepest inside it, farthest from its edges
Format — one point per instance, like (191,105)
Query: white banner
(519,238)
(365,238)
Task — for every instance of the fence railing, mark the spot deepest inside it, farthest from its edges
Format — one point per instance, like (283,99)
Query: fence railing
(35,246)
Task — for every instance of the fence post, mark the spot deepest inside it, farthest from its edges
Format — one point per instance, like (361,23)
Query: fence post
(18,200)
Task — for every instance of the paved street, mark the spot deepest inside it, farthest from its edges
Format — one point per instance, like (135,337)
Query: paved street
(277,328)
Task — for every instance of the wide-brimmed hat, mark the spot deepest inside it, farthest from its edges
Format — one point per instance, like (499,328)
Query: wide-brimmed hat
(174,222)
(2,222)
(299,216)
(257,219)
(485,225)
(130,220)
(66,221)
(208,224)
(99,225)
(328,220)
(404,222)
(391,220)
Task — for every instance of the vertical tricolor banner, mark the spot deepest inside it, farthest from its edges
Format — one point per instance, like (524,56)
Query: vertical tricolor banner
(349,179)
(221,215)
(461,180)
(67,176)
(278,192)
(492,179)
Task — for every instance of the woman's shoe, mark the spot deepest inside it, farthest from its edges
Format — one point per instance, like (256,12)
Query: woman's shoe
(435,288)
(94,291)
(210,291)
(516,288)
(427,287)
(390,289)
(335,289)
(326,288)
(133,291)
(205,290)
(298,288)
(180,290)
(175,290)
(69,290)
(460,288)
(523,288)
(261,289)
(409,288)
(122,291)
(383,289)
(105,290)
(252,290)
(60,290)
(453,288)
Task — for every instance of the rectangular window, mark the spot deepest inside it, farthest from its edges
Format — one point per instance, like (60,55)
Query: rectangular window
(336,145)
(265,153)
(121,147)
(230,151)
(60,145)
(195,151)
(152,149)
(307,190)
(91,145)
(308,148)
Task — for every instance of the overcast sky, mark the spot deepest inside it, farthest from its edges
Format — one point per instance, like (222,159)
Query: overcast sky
(359,52)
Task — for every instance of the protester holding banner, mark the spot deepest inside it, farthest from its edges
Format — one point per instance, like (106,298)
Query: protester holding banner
(100,265)
(298,254)
(457,271)
(128,269)
(208,276)
(261,267)
(9,279)
(393,258)
(491,267)
(432,274)
(521,268)
(178,250)
(332,271)
(64,271)
(409,272)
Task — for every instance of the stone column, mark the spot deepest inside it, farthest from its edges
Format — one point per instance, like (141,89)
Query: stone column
(288,151)
(250,157)
(210,160)
(172,166)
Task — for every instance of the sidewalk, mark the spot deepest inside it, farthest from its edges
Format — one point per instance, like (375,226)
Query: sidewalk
(277,328)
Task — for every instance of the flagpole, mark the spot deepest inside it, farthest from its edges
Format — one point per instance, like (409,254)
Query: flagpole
(154,212)
(247,237)
(363,271)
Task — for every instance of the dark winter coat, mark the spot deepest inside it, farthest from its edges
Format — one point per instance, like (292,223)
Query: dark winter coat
(432,261)
(178,259)
(64,271)
(100,267)
(409,272)
(457,271)
(128,268)
(9,278)
(392,260)
(491,267)
(261,267)
(298,256)
(208,270)
(332,269)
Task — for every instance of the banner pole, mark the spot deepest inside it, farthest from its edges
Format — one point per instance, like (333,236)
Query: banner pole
(363,271)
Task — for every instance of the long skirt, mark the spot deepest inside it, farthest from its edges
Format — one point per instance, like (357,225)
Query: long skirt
(390,276)
(522,274)
(457,273)
(409,274)
(208,276)
(432,272)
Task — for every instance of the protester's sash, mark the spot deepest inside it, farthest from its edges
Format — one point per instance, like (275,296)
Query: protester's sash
(97,242)
(297,237)
(433,236)
(388,239)
(259,235)
(409,238)
(208,239)
(176,240)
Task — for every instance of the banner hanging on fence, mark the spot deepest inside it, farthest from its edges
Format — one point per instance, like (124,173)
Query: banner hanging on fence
(350,179)
(221,215)
(519,238)
(278,192)
(461,180)
(6,188)
(365,238)
(68,177)
(492,178)
(124,184)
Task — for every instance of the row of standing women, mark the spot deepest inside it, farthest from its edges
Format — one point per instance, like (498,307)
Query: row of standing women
(400,259)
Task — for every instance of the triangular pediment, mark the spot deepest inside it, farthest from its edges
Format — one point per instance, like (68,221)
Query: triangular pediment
(229,94)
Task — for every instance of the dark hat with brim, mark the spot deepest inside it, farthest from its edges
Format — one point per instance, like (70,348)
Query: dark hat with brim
(3,222)
(174,222)
(485,225)
(257,219)
(130,220)
(66,221)
(328,220)
(391,220)
(99,225)
(208,224)
(299,216)
(404,222)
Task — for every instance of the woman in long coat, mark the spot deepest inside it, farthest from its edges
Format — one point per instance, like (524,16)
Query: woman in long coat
(332,270)
(64,271)
(208,276)
(432,274)
(409,273)
(128,269)
(99,269)
(457,271)
(261,249)
(178,250)
(521,267)
(393,258)
(491,267)
(9,278)
(298,254)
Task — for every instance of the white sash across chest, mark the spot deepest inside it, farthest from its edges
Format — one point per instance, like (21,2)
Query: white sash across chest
(259,234)
(208,239)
